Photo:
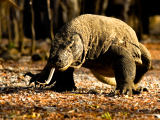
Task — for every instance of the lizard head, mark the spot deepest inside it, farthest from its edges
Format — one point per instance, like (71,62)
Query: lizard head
(65,51)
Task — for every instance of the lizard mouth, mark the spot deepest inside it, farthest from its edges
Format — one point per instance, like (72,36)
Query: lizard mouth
(64,68)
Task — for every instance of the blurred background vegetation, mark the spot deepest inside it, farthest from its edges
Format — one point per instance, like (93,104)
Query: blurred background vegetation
(26,25)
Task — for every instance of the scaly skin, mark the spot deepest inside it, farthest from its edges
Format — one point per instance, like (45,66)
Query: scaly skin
(107,46)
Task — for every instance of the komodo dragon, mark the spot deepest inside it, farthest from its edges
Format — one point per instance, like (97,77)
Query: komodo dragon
(105,45)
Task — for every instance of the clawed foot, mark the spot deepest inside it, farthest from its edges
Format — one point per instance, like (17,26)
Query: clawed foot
(128,90)
(139,90)
(36,79)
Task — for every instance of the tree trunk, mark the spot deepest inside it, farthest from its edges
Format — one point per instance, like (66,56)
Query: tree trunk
(0,31)
(33,30)
(20,28)
(9,28)
(50,15)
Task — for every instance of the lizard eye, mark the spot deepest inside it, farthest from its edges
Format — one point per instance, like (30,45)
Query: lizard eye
(71,44)
(71,47)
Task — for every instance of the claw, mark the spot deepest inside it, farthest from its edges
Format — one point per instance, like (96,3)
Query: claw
(43,84)
(33,78)
(48,80)
(36,78)
(128,88)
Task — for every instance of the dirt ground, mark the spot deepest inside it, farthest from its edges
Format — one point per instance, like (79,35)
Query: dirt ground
(90,101)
